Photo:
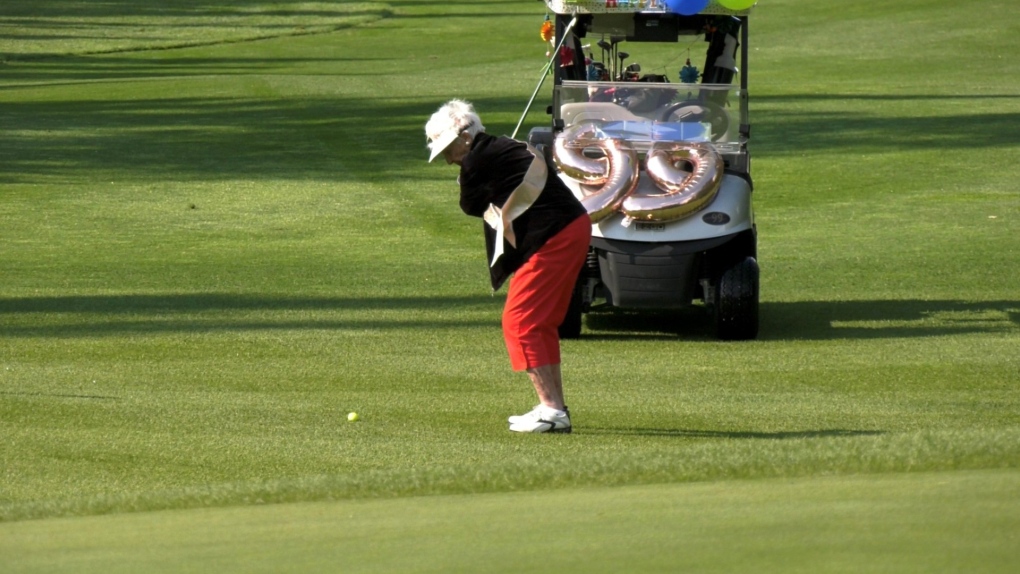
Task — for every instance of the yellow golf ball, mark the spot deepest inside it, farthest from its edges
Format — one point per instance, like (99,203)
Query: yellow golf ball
(353,417)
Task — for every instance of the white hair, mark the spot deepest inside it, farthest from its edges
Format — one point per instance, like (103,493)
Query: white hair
(454,115)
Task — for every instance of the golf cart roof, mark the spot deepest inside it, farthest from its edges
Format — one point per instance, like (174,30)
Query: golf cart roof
(630,6)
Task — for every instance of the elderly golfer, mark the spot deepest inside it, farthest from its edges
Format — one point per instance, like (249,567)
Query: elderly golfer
(535,230)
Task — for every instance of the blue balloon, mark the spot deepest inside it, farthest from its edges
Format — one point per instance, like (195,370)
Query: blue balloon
(686,7)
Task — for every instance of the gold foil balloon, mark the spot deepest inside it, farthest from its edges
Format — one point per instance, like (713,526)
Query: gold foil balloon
(568,153)
(685,192)
(603,201)
(609,173)
(605,179)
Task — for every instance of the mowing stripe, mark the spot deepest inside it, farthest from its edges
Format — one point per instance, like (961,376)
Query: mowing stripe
(964,521)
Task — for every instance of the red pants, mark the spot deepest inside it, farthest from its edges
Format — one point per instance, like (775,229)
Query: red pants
(539,295)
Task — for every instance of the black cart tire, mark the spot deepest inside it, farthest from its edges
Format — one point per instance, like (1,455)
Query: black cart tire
(736,302)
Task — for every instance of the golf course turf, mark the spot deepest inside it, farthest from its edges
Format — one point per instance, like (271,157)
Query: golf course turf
(219,235)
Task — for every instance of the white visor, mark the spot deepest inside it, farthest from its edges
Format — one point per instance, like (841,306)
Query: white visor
(442,142)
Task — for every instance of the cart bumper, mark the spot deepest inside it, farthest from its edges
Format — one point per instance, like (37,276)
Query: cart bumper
(654,275)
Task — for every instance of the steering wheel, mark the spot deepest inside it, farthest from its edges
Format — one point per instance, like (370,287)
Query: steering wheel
(699,111)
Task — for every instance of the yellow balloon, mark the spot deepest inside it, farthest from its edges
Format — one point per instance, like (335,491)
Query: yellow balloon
(737,4)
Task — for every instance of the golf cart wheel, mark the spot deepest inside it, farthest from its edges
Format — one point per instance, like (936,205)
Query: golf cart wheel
(736,302)
(570,328)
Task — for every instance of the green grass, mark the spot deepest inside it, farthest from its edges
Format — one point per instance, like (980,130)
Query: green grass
(921,522)
(67,27)
(212,254)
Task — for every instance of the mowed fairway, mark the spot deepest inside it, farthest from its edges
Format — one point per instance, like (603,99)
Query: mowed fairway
(219,235)
(924,522)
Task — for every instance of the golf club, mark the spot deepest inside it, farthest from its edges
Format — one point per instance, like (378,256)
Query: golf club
(545,72)
(606,48)
(613,42)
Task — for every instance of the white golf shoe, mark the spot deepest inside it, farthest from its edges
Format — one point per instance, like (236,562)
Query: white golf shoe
(542,419)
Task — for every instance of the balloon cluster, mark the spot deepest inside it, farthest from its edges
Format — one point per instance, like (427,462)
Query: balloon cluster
(691,7)
(686,7)
(737,4)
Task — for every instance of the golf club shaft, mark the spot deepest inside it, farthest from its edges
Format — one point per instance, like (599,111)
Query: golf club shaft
(556,54)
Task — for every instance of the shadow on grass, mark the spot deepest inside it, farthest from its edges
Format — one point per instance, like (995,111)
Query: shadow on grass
(300,138)
(94,315)
(819,320)
(57,27)
(886,319)
(688,433)
(59,396)
(199,302)
(111,315)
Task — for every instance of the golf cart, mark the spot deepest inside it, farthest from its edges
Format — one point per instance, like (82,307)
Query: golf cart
(658,155)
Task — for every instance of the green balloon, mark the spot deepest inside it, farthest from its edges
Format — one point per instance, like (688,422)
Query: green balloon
(737,4)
